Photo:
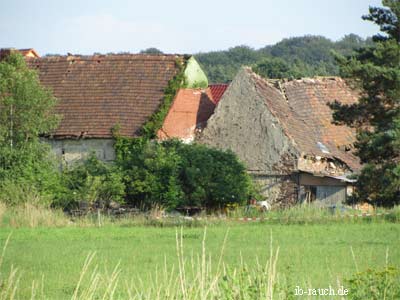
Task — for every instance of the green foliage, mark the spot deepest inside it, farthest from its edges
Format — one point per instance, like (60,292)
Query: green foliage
(26,113)
(149,130)
(305,56)
(376,116)
(91,182)
(151,50)
(27,107)
(375,285)
(275,68)
(174,174)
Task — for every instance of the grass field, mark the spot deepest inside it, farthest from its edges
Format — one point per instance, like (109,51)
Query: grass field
(309,255)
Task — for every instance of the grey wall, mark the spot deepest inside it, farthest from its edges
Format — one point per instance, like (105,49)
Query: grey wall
(243,124)
(72,151)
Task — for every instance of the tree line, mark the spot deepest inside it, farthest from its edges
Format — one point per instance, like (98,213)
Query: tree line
(295,57)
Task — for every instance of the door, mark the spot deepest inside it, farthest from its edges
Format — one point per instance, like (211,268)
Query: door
(331,195)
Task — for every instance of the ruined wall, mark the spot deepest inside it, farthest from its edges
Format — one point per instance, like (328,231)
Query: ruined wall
(71,151)
(322,165)
(280,190)
(243,124)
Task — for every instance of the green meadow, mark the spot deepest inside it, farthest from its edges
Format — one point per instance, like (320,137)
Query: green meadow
(49,260)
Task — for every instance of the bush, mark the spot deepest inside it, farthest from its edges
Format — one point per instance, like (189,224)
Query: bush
(174,174)
(91,182)
(17,192)
(28,176)
(375,285)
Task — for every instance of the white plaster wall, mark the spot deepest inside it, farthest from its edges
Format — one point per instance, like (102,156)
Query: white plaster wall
(72,151)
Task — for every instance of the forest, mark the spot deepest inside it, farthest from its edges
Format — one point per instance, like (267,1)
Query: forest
(293,57)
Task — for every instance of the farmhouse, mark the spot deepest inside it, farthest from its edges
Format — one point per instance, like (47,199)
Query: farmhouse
(101,92)
(282,130)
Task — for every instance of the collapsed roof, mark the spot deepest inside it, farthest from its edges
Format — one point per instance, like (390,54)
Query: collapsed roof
(301,108)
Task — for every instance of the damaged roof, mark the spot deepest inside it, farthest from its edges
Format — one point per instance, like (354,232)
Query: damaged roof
(301,108)
(97,92)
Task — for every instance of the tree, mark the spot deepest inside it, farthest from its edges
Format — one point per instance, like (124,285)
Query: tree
(151,51)
(306,55)
(173,174)
(275,68)
(376,72)
(26,112)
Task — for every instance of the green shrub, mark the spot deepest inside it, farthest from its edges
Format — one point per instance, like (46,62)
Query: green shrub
(375,285)
(17,192)
(90,182)
(174,174)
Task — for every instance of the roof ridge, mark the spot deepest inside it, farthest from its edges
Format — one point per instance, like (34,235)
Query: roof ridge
(110,57)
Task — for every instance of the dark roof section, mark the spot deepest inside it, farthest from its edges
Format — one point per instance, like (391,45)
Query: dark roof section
(217,91)
(98,92)
(301,108)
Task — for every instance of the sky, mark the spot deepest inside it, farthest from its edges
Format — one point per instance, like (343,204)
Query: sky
(173,26)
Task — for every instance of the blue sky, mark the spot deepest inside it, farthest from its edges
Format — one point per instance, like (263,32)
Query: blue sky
(174,26)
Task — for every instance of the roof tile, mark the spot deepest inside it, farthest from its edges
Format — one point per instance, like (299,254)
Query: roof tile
(97,92)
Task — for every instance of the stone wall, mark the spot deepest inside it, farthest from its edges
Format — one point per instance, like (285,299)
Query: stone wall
(243,124)
(279,190)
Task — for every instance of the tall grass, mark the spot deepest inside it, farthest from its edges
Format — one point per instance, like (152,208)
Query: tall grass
(30,214)
(200,277)
(9,283)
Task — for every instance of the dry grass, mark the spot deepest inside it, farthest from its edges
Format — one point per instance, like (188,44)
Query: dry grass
(29,215)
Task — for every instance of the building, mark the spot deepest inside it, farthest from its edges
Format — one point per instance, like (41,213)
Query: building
(101,92)
(282,130)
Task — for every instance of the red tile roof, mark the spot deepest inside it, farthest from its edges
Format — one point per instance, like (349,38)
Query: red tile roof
(188,114)
(97,92)
(217,90)
(309,98)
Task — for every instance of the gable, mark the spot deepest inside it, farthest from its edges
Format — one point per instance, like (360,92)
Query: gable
(188,114)
(243,124)
(307,119)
